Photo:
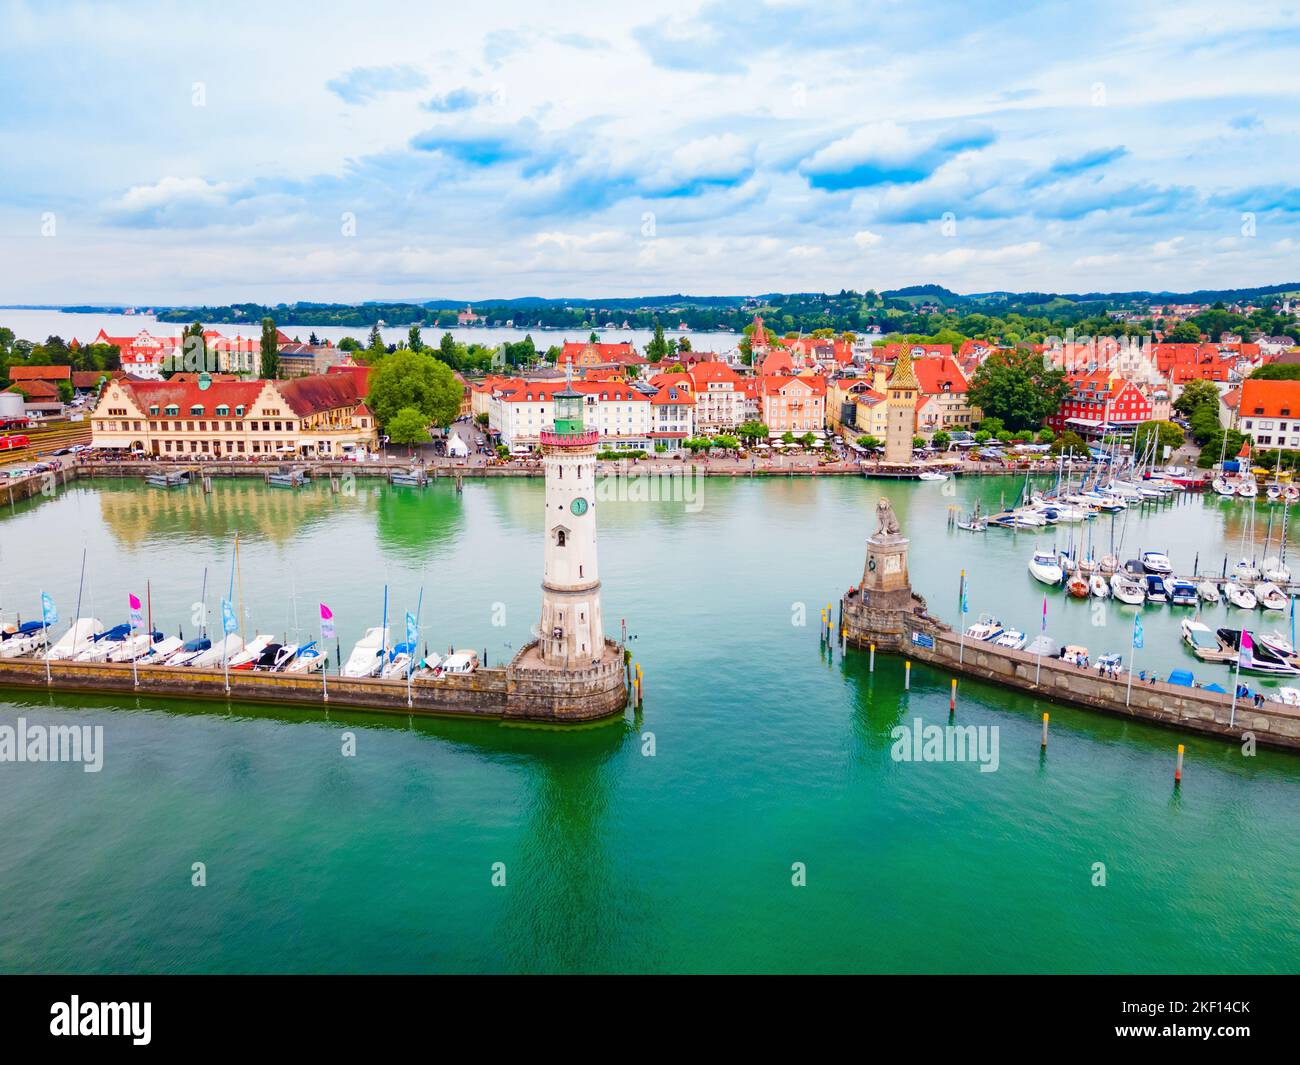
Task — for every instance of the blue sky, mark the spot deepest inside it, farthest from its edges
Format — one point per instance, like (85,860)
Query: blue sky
(268,152)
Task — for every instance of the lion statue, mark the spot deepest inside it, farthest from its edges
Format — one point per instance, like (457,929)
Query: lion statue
(887,519)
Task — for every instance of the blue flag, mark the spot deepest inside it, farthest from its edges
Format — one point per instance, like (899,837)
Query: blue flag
(412,629)
(1137,632)
(48,614)
(229,623)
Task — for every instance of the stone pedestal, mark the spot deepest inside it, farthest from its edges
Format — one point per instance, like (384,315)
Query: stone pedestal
(883,610)
(884,574)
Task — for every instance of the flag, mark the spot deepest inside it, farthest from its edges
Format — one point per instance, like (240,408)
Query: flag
(965,606)
(229,623)
(1137,632)
(1044,613)
(48,614)
(1246,652)
(137,611)
(412,629)
(326,622)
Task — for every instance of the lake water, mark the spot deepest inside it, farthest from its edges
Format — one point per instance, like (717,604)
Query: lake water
(767,752)
(37,325)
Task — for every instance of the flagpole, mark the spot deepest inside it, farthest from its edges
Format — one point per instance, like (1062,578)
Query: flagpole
(961,606)
(1038,670)
(45,634)
(1236,683)
(1137,628)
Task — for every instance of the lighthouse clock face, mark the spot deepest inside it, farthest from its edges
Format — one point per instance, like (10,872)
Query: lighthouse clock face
(578,506)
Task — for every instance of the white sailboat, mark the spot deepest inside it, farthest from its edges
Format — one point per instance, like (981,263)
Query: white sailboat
(1239,596)
(75,640)
(1270,596)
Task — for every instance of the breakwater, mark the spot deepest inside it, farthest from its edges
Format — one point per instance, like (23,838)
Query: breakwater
(911,632)
(517,691)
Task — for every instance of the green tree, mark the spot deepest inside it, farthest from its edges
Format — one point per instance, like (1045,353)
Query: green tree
(752,432)
(1069,443)
(1045,435)
(918,442)
(408,426)
(1167,435)
(1184,333)
(416,380)
(941,439)
(414,340)
(1197,394)
(270,368)
(1276,372)
(869,442)
(1018,388)
(376,346)
(657,349)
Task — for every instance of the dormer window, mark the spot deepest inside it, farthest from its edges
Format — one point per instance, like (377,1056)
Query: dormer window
(222,410)
(172,410)
(239,411)
(197,409)
(153,410)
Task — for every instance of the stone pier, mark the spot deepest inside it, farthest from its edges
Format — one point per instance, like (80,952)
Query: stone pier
(884,611)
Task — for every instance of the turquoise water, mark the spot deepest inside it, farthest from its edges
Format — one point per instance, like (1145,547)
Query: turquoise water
(768,751)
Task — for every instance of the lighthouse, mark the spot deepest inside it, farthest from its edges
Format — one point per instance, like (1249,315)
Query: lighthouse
(571,634)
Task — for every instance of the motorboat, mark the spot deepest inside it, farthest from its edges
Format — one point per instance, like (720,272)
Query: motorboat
(1201,639)
(1111,662)
(1074,655)
(1287,696)
(1182,593)
(1223,486)
(1270,596)
(219,653)
(1098,586)
(1013,639)
(367,657)
(274,657)
(104,644)
(309,659)
(25,639)
(460,662)
(1275,570)
(1044,567)
(1156,589)
(79,635)
(1253,657)
(1156,562)
(932,475)
(401,661)
(190,651)
(1076,585)
(1208,591)
(1277,643)
(1240,596)
(1126,589)
(252,652)
(987,628)
(973,525)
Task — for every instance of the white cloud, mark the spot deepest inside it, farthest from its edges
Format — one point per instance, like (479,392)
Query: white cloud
(864,239)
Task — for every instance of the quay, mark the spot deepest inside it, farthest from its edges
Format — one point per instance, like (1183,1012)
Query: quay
(884,614)
(526,689)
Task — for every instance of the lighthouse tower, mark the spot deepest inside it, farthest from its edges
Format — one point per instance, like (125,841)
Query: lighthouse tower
(572,634)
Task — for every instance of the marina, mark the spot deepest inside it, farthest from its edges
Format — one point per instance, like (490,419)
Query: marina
(770,736)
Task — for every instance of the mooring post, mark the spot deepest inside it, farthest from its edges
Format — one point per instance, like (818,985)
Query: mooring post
(871,661)
(1178,769)
(952,699)
(1044,730)
(844,639)
(907,675)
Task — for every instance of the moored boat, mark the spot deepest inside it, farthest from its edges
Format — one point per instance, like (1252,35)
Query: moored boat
(1156,589)
(1013,639)
(1127,589)
(1076,585)
(1044,567)
(987,628)
(1270,596)
(1156,562)
(1098,586)
(1182,593)
(1208,591)
(1240,596)
(367,657)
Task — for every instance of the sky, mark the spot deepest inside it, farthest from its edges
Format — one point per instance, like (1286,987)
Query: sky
(157,154)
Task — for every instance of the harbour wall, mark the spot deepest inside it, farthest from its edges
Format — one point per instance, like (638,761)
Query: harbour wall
(506,692)
(911,632)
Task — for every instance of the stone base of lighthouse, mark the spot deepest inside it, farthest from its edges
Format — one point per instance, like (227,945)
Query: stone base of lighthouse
(883,610)
(541,690)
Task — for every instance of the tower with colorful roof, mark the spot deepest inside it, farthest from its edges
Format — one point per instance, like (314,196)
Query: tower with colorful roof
(572,632)
(901,394)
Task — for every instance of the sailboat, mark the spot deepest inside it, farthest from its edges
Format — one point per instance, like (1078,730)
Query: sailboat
(367,656)
(78,636)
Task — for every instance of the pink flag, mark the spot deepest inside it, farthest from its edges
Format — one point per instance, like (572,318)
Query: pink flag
(134,601)
(1247,647)
(137,614)
(325,613)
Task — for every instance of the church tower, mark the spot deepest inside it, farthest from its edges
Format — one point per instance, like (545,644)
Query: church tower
(572,634)
(901,394)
